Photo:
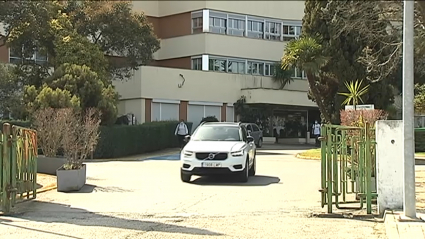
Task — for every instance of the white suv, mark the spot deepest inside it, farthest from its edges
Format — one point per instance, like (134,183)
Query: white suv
(219,148)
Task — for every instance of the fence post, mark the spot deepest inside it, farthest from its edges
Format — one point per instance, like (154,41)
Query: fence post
(6,205)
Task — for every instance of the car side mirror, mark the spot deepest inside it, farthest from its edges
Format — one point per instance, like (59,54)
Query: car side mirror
(250,139)
(187,138)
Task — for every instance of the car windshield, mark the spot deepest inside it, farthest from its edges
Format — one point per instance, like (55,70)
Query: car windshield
(217,133)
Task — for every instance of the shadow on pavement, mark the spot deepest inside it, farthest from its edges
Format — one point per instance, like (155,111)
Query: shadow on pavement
(48,212)
(348,216)
(90,188)
(258,180)
(265,153)
(419,162)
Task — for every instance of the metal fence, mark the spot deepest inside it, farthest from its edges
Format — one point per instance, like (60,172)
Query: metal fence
(18,160)
(348,167)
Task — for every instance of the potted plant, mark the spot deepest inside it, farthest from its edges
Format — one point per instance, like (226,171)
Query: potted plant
(80,136)
(49,124)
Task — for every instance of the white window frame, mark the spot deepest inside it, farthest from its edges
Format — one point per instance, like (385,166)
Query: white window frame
(269,66)
(32,58)
(196,15)
(295,75)
(227,29)
(250,24)
(199,59)
(220,59)
(236,61)
(258,63)
(268,33)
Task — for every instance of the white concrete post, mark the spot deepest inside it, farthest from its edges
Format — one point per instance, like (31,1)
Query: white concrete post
(389,164)
(408,111)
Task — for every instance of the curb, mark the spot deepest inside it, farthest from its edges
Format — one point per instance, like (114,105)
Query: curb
(48,188)
(306,157)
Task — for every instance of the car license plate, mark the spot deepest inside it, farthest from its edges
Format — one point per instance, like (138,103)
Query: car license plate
(211,165)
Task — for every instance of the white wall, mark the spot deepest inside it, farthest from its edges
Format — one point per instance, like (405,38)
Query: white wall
(290,10)
(162,83)
(220,45)
(389,164)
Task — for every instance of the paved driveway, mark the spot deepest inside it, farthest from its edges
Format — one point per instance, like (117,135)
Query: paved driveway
(146,199)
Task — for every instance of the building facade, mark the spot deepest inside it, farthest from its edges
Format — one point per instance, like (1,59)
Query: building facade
(212,54)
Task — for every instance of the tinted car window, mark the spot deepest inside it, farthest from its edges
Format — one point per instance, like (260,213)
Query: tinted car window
(244,134)
(248,127)
(255,127)
(217,133)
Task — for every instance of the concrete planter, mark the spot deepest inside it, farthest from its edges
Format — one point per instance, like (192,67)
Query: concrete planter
(49,165)
(71,180)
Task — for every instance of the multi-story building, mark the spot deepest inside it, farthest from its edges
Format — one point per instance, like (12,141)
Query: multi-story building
(213,53)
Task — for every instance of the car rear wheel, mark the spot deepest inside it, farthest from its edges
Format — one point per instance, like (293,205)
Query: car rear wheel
(260,143)
(185,177)
(244,174)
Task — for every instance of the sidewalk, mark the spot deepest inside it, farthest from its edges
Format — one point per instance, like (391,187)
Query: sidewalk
(403,229)
(139,157)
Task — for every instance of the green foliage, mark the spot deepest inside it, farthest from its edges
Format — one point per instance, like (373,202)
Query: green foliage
(281,76)
(102,22)
(125,140)
(419,100)
(355,93)
(304,53)
(348,49)
(209,119)
(10,92)
(307,54)
(420,140)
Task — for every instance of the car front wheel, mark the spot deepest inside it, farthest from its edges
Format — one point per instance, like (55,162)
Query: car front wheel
(185,177)
(253,168)
(260,143)
(244,174)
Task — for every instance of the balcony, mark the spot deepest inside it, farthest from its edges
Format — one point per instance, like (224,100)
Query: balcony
(191,85)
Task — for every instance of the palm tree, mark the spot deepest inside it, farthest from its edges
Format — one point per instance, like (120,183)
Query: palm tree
(306,53)
(282,76)
(355,93)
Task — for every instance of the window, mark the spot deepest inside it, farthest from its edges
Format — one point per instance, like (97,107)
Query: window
(255,29)
(217,65)
(217,25)
(236,27)
(269,69)
(299,74)
(197,25)
(255,128)
(255,68)
(273,30)
(197,64)
(290,32)
(16,57)
(236,67)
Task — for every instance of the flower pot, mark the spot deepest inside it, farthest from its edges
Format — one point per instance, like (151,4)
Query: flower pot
(71,180)
(49,165)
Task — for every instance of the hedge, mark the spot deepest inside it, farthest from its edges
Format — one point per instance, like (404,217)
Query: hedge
(420,140)
(125,140)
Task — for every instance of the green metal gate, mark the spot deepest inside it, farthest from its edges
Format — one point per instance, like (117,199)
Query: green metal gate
(18,160)
(348,167)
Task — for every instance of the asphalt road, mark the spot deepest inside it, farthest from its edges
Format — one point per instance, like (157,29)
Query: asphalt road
(146,199)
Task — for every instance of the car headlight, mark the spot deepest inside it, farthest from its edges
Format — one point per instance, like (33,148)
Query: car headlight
(237,153)
(187,153)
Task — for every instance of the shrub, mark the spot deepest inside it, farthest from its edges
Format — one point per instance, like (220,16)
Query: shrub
(359,117)
(125,140)
(209,119)
(420,140)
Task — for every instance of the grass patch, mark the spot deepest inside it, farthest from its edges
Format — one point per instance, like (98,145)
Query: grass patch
(316,154)
(310,154)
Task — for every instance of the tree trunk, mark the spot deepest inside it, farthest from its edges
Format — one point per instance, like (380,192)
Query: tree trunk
(316,94)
